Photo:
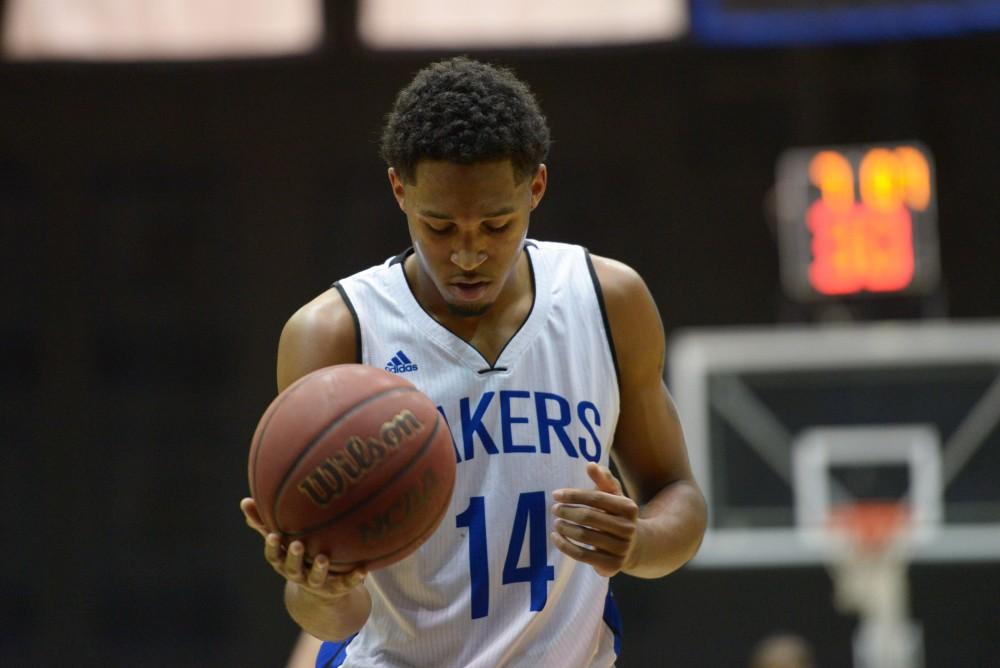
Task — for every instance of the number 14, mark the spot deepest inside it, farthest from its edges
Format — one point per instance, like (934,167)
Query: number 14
(528,518)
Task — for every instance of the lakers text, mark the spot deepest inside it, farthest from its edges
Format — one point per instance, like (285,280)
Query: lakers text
(523,422)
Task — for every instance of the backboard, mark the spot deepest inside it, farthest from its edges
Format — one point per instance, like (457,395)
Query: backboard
(875,411)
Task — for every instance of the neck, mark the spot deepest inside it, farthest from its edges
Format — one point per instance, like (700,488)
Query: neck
(513,302)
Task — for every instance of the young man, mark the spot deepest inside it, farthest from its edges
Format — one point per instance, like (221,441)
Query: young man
(545,362)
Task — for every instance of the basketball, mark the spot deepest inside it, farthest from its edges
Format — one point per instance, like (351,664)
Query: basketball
(355,462)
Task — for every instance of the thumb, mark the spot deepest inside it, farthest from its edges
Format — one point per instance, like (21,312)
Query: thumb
(604,479)
(252,516)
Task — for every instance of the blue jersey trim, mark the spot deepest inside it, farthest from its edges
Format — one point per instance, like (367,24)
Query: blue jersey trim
(333,654)
(614,620)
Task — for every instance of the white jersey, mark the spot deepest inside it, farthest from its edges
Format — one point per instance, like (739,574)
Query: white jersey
(489,588)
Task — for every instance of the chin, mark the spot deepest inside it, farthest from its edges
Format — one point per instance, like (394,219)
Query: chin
(469,310)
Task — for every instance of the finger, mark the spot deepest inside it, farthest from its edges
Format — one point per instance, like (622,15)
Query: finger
(272,549)
(616,525)
(293,561)
(252,516)
(318,572)
(604,479)
(621,506)
(604,563)
(336,584)
(343,583)
(599,540)
(343,569)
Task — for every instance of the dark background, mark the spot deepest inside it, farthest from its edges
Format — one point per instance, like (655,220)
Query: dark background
(161,221)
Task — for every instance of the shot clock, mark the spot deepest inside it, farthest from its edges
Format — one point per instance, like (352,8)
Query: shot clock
(857,221)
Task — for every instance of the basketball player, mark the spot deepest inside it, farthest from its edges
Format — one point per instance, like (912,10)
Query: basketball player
(544,360)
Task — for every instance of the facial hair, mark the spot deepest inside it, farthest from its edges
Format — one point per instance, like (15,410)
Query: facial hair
(468,312)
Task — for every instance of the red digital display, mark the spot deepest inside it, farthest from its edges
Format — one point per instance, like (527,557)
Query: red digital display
(857,221)
(860,249)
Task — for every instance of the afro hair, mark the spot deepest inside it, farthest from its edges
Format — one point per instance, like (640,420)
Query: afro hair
(464,111)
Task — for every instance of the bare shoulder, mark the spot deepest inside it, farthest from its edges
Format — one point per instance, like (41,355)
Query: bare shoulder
(321,333)
(618,280)
(632,316)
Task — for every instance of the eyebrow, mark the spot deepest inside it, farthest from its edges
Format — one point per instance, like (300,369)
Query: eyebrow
(507,210)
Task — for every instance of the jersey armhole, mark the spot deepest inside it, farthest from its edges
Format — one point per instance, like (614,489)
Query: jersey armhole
(357,323)
(604,316)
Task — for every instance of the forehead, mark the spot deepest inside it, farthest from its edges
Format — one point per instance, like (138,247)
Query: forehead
(444,181)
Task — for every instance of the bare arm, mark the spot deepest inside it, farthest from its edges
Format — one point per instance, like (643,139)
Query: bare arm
(304,653)
(328,605)
(660,527)
(319,334)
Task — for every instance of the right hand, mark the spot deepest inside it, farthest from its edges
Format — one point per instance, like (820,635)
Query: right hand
(321,579)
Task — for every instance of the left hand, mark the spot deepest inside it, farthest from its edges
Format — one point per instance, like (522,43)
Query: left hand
(597,526)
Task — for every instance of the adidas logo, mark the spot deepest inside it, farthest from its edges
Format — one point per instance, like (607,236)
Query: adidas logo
(400,363)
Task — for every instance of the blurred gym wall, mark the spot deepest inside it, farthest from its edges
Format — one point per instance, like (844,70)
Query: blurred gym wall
(159,221)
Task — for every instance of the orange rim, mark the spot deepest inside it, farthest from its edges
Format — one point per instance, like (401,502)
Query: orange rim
(870,525)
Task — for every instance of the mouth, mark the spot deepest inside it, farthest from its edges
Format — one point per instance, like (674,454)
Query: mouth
(469,291)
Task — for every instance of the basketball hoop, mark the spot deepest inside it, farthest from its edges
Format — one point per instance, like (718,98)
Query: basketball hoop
(867,542)
(869,575)
(870,527)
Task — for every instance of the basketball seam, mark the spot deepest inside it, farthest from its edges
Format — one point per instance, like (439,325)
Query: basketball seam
(256,447)
(282,487)
(388,483)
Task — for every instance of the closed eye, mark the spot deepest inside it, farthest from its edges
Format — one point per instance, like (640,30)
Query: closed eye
(439,230)
(498,229)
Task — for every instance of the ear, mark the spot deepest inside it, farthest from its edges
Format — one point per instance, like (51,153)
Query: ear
(538,184)
(398,189)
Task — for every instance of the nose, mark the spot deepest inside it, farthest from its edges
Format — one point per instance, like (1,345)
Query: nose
(467,256)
